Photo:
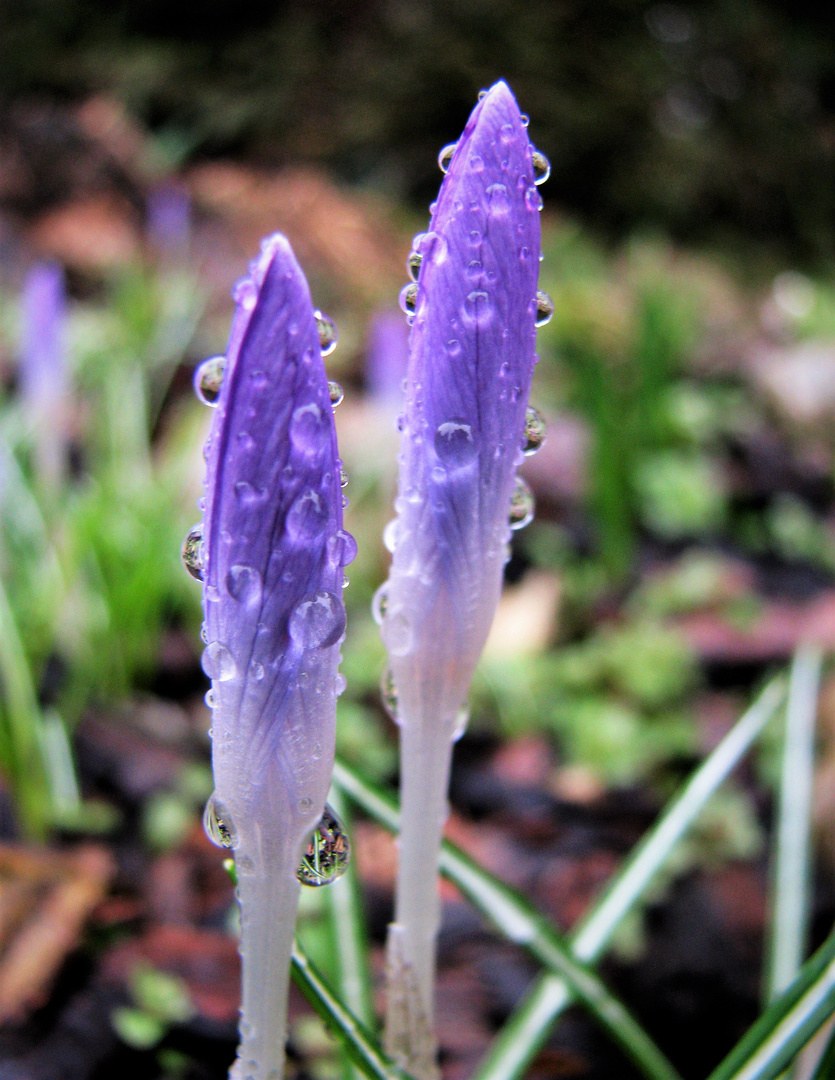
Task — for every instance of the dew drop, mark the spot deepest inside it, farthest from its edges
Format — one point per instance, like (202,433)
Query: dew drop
(335,392)
(218,825)
(397,633)
(478,308)
(342,548)
(525,119)
(308,429)
(445,156)
(521,505)
(477,163)
(245,293)
(534,431)
(256,671)
(343,477)
(390,535)
(533,200)
(413,261)
(243,583)
(388,694)
(461,721)
(499,200)
(482,94)
(340,684)
(209,698)
(306,516)
(544,308)
(346,581)
(456,443)
(218,662)
(541,167)
(328,852)
(317,623)
(326,329)
(204,634)
(192,551)
(379,603)
(208,379)
(408,298)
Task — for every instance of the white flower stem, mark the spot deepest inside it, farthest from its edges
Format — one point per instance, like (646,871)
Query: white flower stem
(426,754)
(268,901)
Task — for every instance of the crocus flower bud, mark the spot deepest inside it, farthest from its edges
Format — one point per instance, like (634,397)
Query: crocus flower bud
(471,357)
(271,556)
(43,368)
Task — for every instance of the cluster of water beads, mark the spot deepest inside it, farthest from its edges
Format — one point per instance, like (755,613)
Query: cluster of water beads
(521,505)
(192,551)
(328,852)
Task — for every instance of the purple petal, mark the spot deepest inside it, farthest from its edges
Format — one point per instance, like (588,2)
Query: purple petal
(42,358)
(274,552)
(470,367)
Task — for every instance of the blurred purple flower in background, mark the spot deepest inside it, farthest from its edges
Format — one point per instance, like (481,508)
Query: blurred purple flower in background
(474,307)
(386,358)
(168,220)
(43,367)
(271,554)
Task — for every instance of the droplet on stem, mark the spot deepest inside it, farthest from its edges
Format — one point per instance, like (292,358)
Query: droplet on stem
(328,852)
(408,299)
(327,332)
(544,308)
(521,505)
(208,379)
(541,167)
(335,392)
(218,824)
(534,431)
(192,551)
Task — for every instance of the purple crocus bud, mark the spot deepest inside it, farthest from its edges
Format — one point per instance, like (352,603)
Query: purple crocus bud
(273,551)
(43,369)
(168,215)
(388,351)
(474,308)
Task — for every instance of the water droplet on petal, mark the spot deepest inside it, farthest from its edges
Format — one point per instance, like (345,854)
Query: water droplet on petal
(209,698)
(461,721)
(534,431)
(525,119)
(328,852)
(408,298)
(456,443)
(306,516)
(243,583)
(218,662)
(478,308)
(521,505)
(343,477)
(379,603)
(499,197)
(445,156)
(533,200)
(388,694)
(245,293)
(218,824)
(256,671)
(541,167)
(482,94)
(342,548)
(335,392)
(249,495)
(317,623)
(192,551)
(208,379)
(308,429)
(544,308)
(413,261)
(326,328)
(390,535)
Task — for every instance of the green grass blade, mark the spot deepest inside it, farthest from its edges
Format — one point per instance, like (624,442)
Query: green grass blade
(349,939)
(359,1044)
(788,1023)
(825,1068)
(517,920)
(550,995)
(791,880)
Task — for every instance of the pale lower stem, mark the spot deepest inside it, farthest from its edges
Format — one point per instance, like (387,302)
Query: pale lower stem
(426,754)
(268,902)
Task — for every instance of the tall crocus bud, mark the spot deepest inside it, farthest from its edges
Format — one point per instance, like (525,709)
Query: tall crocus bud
(271,554)
(43,373)
(471,357)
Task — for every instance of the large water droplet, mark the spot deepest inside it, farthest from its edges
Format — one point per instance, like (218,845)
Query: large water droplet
(307,516)
(521,505)
(544,308)
(208,379)
(335,393)
(408,299)
(308,429)
(192,551)
(445,156)
(218,824)
(413,261)
(328,852)
(541,167)
(342,548)
(326,329)
(388,694)
(534,431)
(318,623)
(456,443)
(218,662)
(243,583)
